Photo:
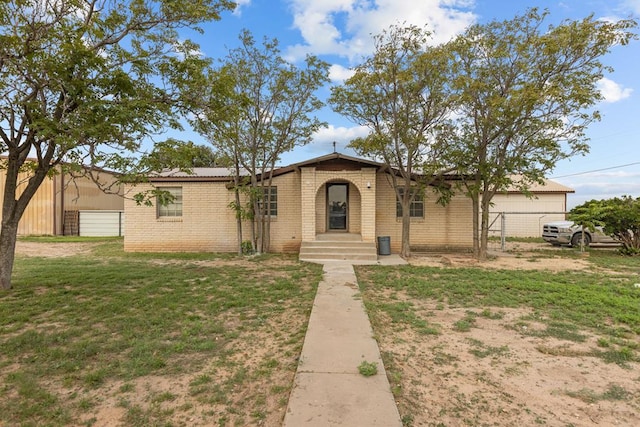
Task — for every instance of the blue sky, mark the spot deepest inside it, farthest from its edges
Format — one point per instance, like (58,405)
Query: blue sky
(339,32)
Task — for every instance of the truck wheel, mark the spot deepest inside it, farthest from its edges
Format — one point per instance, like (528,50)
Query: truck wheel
(575,240)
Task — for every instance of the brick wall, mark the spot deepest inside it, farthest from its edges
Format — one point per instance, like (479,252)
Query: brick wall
(207,223)
(448,227)
(361,200)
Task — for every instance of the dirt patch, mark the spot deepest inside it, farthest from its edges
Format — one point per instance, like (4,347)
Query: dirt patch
(521,261)
(52,250)
(502,370)
(500,373)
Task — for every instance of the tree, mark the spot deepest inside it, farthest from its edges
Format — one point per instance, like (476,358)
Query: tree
(83,82)
(265,113)
(175,154)
(401,94)
(619,217)
(525,98)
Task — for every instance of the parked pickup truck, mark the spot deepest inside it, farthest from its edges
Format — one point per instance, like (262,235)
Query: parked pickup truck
(567,233)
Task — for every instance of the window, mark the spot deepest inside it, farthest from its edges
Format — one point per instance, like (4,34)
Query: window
(416,207)
(174,206)
(273,200)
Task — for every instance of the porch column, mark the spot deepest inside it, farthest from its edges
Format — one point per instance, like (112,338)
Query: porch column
(308,203)
(368,205)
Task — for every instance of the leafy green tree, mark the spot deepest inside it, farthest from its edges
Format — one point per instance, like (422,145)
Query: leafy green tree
(619,217)
(525,97)
(267,110)
(401,94)
(83,82)
(175,154)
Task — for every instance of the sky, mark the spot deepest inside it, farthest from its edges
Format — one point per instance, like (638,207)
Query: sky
(340,33)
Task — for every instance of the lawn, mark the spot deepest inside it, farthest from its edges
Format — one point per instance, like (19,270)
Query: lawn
(91,335)
(101,337)
(471,345)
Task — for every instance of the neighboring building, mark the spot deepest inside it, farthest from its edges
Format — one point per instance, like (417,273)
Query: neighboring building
(524,216)
(54,208)
(333,197)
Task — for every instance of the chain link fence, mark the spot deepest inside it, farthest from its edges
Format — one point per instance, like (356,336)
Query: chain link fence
(521,226)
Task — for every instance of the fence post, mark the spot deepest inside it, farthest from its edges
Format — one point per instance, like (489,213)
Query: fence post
(503,234)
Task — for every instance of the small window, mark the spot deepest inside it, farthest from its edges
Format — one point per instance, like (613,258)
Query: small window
(416,207)
(174,207)
(271,194)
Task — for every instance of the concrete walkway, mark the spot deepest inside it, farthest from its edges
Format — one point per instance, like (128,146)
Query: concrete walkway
(328,389)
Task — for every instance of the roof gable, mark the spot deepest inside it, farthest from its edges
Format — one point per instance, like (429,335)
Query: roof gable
(331,162)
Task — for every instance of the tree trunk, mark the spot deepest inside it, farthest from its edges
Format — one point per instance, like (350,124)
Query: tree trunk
(13,208)
(266,233)
(238,217)
(405,250)
(8,237)
(239,209)
(476,225)
(484,230)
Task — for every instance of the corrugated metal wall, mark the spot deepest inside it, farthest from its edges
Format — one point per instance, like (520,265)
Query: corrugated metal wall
(45,213)
(532,213)
(38,217)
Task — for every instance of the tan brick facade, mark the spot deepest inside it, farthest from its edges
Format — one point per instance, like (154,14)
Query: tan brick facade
(208,224)
(448,227)
(361,214)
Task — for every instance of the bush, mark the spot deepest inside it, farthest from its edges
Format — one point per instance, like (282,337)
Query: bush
(247,247)
(619,217)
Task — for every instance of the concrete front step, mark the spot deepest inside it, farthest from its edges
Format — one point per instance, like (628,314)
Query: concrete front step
(338,250)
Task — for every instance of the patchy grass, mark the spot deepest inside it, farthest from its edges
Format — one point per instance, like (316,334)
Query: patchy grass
(613,392)
(593,300)
(163,337)
(584,314)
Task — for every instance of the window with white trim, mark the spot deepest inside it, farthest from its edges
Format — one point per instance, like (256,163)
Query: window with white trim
(416,206)
(173,207)
(272,196)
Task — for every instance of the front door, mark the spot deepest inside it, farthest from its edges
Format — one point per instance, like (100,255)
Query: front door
(337,209)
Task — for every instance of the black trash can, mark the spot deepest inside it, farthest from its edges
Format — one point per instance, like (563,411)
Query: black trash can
(384,245)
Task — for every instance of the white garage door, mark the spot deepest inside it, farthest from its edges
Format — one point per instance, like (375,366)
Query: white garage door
(101,223)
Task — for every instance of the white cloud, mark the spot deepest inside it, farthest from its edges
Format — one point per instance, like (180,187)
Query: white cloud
(239,5)
(182,49)
(339,134)
(602,185)
(323,143)
(338,73)
(612,91)
(345,27)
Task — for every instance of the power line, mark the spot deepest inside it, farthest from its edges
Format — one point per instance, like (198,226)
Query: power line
(596,170)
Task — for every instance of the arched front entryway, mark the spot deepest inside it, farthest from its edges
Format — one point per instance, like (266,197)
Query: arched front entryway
(318,208)
(338,207)
(338,210)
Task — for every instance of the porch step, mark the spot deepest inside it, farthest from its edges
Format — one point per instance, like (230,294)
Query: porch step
(345,249)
